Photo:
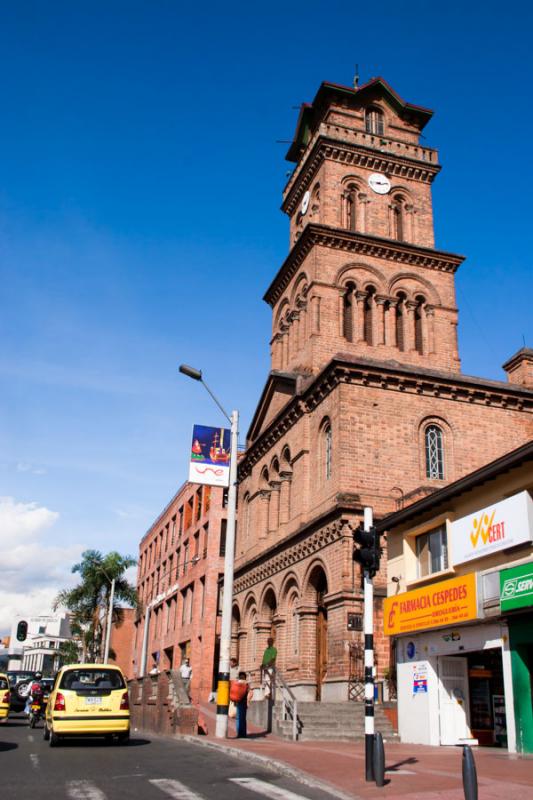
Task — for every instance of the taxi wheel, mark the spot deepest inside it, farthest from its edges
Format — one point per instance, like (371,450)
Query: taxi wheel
(54,739)
(46,733)
(123,738)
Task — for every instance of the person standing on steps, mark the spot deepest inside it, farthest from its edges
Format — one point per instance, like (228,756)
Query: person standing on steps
(186,675)
(269,660)
(240,693)
(233,669)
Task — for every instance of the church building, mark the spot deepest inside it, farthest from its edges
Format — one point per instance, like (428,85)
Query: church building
(365,403)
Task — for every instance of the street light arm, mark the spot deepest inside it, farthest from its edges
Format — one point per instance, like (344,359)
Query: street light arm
(196,375)
(216,401)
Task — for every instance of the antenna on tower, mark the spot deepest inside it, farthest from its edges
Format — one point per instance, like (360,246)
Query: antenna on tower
(356,77)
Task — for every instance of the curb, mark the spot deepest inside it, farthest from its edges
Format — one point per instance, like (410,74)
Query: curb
(280,767)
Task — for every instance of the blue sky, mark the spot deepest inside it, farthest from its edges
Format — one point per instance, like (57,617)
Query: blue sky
(140,185)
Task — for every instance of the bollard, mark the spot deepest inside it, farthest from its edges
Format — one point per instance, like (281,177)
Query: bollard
(469,774)
(379,760)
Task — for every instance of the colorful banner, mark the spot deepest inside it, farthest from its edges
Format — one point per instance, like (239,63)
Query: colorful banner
(497,527)
(442,603)
(210,456)
(516,587)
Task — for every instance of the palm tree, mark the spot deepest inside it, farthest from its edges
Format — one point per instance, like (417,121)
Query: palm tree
(89,600)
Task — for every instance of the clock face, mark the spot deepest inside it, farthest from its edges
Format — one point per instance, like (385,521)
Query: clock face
(305,202)
(379,183)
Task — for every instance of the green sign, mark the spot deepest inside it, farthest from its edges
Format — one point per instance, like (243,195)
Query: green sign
(516,587)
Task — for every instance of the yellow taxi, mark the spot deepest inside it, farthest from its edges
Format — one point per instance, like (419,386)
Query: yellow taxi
(88,700)
(5,697)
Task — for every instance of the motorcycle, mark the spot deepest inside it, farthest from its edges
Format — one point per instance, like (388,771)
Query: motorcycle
(37,708)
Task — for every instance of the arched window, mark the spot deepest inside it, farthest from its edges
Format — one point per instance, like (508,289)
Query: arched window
(434,452)
(419,333)
(398,211)
(328,450)
(351,207)
(374,121)
(348,309)
(400,338)
(369,312)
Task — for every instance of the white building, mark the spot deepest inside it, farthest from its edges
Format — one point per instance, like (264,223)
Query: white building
(39,651)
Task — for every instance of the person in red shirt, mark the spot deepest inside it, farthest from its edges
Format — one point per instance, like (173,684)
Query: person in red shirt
(240,693)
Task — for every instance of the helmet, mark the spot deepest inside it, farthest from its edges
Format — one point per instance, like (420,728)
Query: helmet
(38,676)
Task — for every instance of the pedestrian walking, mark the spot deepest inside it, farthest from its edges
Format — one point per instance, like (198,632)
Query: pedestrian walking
(186,675)
(241,694)
(233,669)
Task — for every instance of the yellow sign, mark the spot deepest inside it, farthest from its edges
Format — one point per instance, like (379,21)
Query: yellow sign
(438,604)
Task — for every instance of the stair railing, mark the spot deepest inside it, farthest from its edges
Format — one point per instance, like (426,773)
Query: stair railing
(289,705)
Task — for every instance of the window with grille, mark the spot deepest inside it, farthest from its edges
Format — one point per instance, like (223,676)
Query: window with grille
(374,121)
(434,453)
(432,552)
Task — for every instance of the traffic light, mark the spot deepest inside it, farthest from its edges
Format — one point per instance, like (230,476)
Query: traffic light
(22,630)
(369,551)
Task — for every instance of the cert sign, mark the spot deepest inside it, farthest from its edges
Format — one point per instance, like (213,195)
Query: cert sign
(210,456)
(497,527)
(442,603)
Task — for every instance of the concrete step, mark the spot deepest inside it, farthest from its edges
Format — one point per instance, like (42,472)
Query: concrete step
(331,721)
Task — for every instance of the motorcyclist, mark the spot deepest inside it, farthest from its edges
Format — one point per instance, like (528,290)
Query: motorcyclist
(36,690)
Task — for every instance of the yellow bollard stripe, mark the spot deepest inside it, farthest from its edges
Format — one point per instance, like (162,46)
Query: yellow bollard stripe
(223,693)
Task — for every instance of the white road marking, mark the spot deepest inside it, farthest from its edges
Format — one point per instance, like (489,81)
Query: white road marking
(175,789)
(267,789)
(31,737)
(84,790)
(34,758)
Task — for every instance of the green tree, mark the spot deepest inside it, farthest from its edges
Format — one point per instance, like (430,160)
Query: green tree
(69,652)
(89,600)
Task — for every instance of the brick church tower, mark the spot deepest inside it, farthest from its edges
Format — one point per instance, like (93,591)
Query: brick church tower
(365,403)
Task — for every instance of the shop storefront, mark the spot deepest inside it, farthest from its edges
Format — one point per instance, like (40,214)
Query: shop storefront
(454,681)
(516,599)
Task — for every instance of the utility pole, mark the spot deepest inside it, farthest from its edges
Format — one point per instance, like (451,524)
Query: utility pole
(368,555)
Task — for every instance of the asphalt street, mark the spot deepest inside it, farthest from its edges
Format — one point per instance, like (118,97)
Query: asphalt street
(147,768)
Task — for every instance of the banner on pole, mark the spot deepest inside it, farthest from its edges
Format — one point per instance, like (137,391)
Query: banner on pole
(210,456)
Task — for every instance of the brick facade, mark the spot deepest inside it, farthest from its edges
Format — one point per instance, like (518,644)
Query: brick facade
(365,369)
(180,565)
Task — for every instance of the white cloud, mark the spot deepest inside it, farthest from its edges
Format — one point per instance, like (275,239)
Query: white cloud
(22,466)
(32,568)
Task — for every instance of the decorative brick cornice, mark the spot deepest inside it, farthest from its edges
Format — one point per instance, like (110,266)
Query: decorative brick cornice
(284,555)
(362,245)
(332,149)
(389,376)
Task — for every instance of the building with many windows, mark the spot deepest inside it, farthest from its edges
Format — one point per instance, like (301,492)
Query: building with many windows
(40,649)
(181,561)
(365,403)
(460,608)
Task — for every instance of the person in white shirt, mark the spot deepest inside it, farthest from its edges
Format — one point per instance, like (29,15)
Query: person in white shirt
(186,675)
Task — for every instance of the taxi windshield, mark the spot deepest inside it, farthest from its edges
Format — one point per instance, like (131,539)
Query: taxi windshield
(97,678)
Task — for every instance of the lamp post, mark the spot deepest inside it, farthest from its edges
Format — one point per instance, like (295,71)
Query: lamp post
(221,729)
(109,615)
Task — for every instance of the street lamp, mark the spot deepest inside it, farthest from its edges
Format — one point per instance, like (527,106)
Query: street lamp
(109,615)
(221,729)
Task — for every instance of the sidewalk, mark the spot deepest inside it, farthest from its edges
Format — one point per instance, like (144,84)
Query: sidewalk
(413,772)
